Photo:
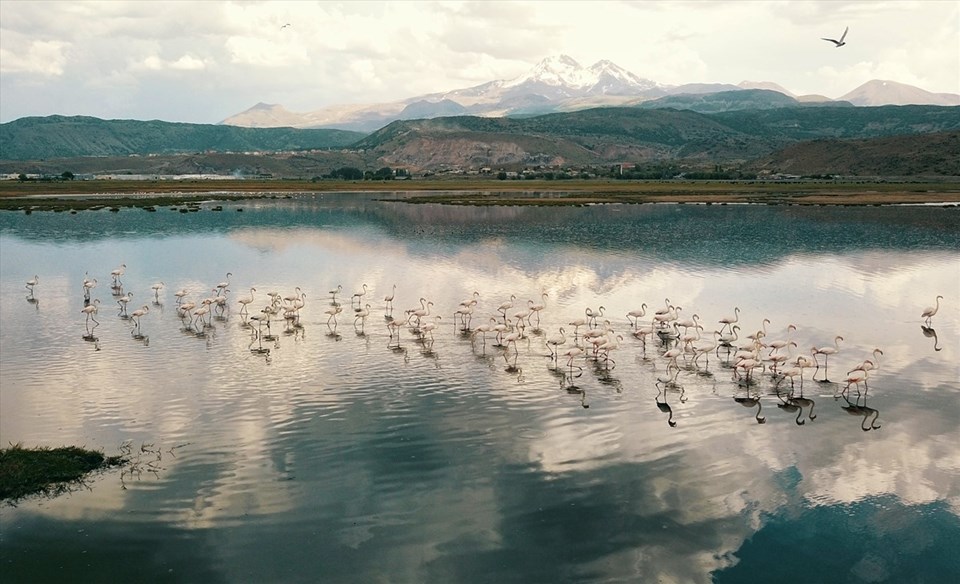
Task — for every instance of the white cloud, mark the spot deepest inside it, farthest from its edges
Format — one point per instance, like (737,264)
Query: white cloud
(369,52)
(46,58)
(184,63)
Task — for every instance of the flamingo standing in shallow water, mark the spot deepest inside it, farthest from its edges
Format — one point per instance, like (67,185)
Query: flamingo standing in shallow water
(826,352)
(727,321)
(931,311)
(245,301)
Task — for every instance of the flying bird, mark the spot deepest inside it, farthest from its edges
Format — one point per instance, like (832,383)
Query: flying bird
(288,24)
(839,43)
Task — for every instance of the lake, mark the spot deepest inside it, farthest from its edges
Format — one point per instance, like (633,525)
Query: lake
(326,448)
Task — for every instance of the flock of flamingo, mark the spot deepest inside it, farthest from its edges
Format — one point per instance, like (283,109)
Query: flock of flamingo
(680,342)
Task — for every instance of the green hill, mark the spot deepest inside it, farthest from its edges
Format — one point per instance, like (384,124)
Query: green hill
(614,134)
(64,137)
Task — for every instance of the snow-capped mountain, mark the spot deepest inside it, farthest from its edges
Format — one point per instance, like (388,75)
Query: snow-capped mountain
(557,83)
(554,78)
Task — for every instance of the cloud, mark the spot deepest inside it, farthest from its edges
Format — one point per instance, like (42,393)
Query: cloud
(45,58)
(184,63)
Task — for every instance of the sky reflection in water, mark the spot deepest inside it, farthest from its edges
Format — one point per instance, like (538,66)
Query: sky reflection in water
(338,458)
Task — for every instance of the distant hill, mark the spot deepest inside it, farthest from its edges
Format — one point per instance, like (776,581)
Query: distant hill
(604,135)
(879,92)
(592,137)
(740,99)
(63,137)
(918,155)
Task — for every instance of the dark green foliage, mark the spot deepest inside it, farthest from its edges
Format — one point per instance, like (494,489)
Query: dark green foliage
(25,471)
(63,137)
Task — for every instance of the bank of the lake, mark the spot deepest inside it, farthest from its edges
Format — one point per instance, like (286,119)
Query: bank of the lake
(39,195)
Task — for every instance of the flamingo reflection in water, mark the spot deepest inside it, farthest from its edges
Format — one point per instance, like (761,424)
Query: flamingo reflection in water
(870,415)
(930,332)
(663,406)
(750,401)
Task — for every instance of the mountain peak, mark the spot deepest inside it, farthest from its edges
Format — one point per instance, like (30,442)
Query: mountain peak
(558,70)
(602,78)
(883,92)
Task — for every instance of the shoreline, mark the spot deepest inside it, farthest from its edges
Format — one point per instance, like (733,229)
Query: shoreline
(77,195)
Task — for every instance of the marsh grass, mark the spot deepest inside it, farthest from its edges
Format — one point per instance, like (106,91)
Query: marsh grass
(48,471)
(187,196)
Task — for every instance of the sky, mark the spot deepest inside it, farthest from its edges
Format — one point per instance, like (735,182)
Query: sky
(202,62)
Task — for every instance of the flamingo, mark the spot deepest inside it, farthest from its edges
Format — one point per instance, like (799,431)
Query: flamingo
(293,298)
(333,294)
(483,329)
(826,352)
(184,309)
(536,308)
(593,316)
(671,357)
(571,354)
(579,322)
(727,321)
(179,294)
(122,302)
(333,311)
(200,313)
(421,312)
(429,327)
(32,282)
(779,344)
(156,291)
(136,314)
(554,342)
(90,311)
(665,309)
(465,312)
(115,274)
(88,285)
(727,340)
(868,365)
(610,343)
(243,302)
(222,286)
(635,315)
(388,299)
(358,297)
(707,348)
(505,306)
(362,315)
(931,311)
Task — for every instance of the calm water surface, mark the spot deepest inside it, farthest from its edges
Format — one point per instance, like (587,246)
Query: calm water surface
(337,453)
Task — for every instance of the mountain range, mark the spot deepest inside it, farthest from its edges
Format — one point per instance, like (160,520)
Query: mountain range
(561,84)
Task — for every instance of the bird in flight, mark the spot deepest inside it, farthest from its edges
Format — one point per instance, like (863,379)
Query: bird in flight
(839,43)
(288,24)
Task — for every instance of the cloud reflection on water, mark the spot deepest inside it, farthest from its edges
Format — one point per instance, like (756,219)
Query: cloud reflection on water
(445,467)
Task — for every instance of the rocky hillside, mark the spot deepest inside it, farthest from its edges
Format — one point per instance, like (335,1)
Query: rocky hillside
(612,135)
(918,155)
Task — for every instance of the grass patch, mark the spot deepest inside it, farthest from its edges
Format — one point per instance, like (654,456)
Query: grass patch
(186,196)
(47,471)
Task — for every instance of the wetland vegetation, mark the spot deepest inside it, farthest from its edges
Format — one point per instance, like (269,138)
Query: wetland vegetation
(180,195)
